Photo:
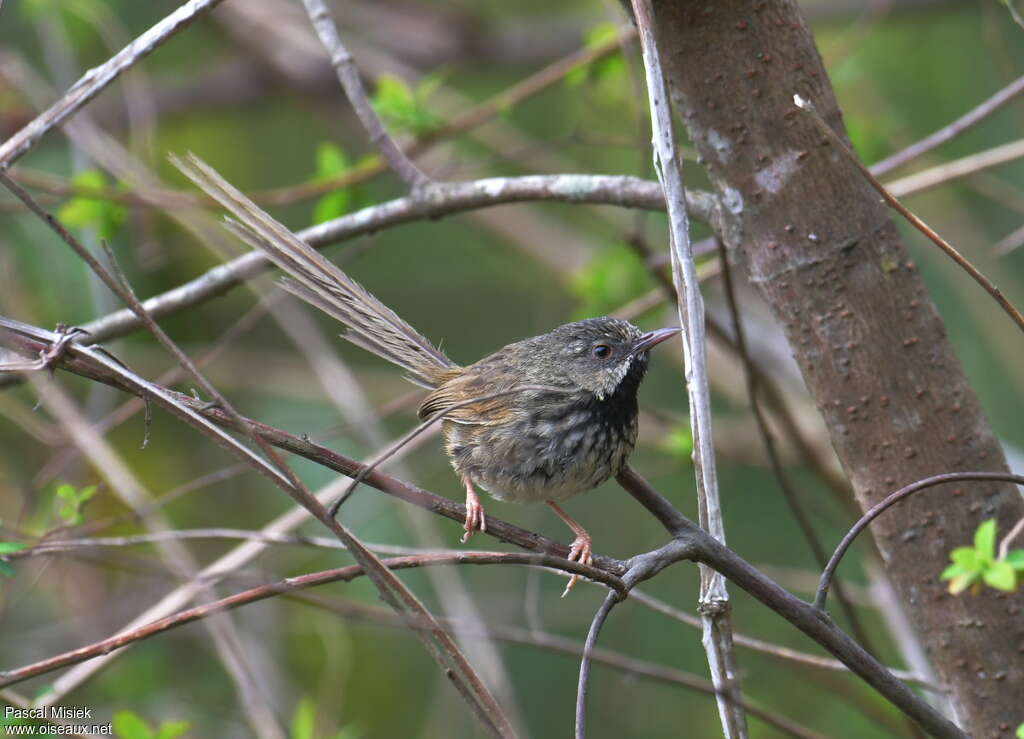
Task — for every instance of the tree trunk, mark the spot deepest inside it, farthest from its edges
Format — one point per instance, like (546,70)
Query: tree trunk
(825,254)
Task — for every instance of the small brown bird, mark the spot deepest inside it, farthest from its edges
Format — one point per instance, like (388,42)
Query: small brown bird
(540,420)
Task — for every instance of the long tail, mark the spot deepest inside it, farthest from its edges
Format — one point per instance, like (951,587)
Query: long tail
(318,281)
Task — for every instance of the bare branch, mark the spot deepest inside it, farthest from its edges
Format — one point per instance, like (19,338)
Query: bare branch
(950,131)
(93,81)
(714,597)
(348,76)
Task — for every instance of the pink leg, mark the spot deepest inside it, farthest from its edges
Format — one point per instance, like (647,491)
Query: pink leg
(581,549)
(475,520)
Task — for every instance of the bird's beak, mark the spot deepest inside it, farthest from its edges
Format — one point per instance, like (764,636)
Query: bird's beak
(653,338)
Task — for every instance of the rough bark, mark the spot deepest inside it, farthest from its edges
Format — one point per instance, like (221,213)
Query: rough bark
(826,256)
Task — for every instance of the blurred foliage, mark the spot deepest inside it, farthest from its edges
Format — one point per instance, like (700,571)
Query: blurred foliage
(979,564)
(472,282)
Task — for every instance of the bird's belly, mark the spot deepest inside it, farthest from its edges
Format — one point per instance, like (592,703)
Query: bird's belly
(541,460)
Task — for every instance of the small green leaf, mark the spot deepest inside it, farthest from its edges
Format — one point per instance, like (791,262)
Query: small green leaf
(7,547)
(966,557)
(615,275)
(1015,559)
(86,493)
(1000,575)
(679,442)
(985,541)
(600,35)
(960,583)
(172,729)
(129,725)
(330,206)
(402,108)
(331,162)
(304,720)
(953,570)
(67,492)
(1020,732)
(87,211)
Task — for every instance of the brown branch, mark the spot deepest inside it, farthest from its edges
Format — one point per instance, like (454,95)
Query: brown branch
(348,76)
(950,131)
(291,584)
(93,81)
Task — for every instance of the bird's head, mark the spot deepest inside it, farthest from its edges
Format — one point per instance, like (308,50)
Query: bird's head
(601,355)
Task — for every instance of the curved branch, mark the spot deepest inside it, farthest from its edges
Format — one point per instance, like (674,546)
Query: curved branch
(879,508)
(588,649)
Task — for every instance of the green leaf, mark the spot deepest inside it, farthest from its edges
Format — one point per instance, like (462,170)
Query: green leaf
(1015,559)
(985,541)
(331,162)
(401,108)
(960,583)
(67,492)
(129,725)
(1000,575)
(172,729)
(85,211)
(966,557)
(6,547)
(600,34)
(615,275)
(1020,732)
(86,493)
(953,570)
(679,442)
(5,569)
(304,720)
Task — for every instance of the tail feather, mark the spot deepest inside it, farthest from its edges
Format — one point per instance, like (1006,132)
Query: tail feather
(318,281)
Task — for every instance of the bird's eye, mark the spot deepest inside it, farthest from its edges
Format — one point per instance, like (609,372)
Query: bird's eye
(601,351)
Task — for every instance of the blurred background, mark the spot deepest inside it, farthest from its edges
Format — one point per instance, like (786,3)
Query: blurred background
(248,89)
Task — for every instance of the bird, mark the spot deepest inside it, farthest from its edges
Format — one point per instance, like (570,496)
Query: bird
(539,420)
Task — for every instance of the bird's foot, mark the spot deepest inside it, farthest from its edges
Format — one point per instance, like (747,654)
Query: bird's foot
(581,551)
(475,520)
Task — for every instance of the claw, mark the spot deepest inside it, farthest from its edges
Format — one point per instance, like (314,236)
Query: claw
(475,520)
(581,550)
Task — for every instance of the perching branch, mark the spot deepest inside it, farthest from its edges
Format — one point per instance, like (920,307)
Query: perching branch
(690,542)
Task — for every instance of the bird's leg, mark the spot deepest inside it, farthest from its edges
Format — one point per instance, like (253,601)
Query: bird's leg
(581,548)
(475,520)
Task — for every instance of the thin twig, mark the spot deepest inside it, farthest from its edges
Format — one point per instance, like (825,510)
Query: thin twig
(951,130)
(714,596)
(348,76)
(880,507)
(940,174)
(588,649)
(342,574)
(93,81)
(920,225)
(1004,545)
